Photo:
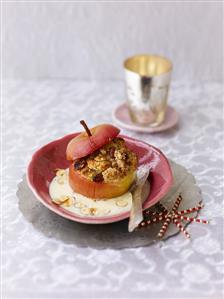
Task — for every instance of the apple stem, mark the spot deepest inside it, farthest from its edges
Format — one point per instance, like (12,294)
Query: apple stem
(82,122)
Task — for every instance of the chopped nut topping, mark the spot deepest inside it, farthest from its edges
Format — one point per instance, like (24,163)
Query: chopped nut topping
(98,165)
(121,164)
(103,151)
(100,158)
(120,154)
(110,174)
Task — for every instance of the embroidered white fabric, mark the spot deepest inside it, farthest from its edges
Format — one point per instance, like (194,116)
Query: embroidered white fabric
(40,261)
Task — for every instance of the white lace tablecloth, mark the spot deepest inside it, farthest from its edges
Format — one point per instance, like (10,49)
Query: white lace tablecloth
(37,266)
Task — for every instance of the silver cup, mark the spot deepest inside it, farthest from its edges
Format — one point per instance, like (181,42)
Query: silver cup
(147,81)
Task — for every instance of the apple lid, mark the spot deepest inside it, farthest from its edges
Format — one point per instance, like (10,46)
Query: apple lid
(91,140)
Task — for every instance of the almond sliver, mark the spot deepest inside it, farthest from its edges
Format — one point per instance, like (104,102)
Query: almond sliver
(122,203)
(79,204)
(85,211)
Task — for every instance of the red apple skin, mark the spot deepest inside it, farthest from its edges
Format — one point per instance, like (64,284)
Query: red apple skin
(83,145)
(99,190)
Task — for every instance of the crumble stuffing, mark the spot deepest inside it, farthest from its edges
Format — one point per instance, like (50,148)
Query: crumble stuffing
(109,164)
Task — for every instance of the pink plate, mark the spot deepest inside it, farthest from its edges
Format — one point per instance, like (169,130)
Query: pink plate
(51,156)
(122,118)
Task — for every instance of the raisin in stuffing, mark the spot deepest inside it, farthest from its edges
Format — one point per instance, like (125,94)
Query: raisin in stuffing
(98,178)
(111,152)
(79,164)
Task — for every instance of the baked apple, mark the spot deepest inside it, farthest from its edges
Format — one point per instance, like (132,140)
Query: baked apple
(105,172)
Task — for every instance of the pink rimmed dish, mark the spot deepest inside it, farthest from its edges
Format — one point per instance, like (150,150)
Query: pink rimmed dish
(41,171)
(122,118)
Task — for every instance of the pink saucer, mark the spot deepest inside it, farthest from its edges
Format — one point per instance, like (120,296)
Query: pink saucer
(122,118)
(41,171)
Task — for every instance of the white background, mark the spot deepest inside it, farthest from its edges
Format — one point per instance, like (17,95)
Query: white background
(91,40)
